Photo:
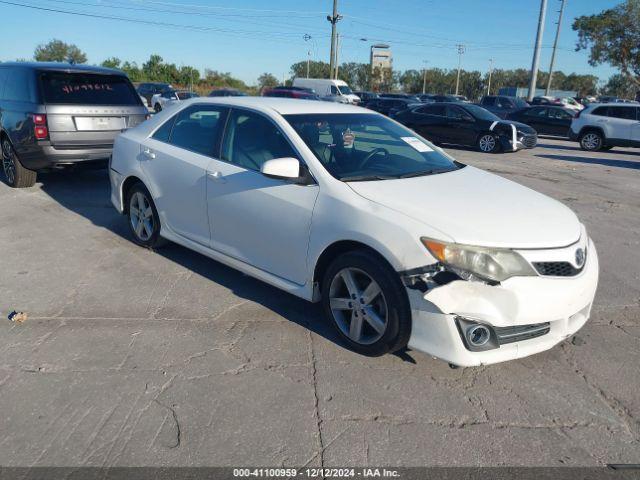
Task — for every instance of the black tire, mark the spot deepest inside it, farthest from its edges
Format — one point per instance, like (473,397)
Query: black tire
(488,143)
(398,311)
(135,216)
(607,147)
(591,141)
(157,108)
(16,175)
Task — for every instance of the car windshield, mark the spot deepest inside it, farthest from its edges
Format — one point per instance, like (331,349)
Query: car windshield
(345,90)
(520,103)
(362,147)
(481,113)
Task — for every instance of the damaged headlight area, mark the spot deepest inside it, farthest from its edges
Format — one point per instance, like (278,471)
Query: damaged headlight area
(479,263)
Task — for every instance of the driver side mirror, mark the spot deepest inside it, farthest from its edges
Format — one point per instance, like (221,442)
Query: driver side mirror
(287,168)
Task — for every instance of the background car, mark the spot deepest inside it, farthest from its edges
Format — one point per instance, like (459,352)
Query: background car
(469,125)
(427,97)
(390,106)
(366,96)
(604,126)
(446,98)
(149,89)
(546,120)
(291,92)
(545,100)
(502,105)
(227,92)
(160,100)
(56,114)
(406,96)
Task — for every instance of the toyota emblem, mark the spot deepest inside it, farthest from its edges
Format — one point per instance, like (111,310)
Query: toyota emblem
(579,257)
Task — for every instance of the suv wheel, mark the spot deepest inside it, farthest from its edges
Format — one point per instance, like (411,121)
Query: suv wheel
(366,302)
(488,143)
(144,221)
(591,141)
(17,176)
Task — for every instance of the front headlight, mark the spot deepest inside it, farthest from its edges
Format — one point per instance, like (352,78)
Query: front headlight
(496,264)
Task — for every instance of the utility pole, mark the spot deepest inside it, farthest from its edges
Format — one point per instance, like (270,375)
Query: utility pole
(490,72)
(536,51)
(555,45)
(460,52)
(337,52)
(335,18)
(424,77)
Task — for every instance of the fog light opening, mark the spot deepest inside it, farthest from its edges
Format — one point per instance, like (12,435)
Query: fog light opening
(478,335)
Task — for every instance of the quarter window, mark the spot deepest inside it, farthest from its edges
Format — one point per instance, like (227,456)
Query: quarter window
(162,134)
(251,140)
(196,128)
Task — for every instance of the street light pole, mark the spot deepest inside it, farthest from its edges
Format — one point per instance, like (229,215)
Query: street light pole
(333,19)
(337,52)
(555,45)
(460,52)
(490,72)
(424,77)
(536,51)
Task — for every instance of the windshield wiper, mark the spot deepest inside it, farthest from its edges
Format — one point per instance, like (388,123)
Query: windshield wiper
(425,172)
(366,178)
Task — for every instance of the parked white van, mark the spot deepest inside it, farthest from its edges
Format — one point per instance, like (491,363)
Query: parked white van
(326,87)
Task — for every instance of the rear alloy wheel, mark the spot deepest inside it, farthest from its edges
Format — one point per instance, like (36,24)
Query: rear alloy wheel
(17,176)
(143,218)
(591,141)
(488,143)
(366,302)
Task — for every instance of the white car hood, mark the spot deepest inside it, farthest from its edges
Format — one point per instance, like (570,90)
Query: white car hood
(475,207)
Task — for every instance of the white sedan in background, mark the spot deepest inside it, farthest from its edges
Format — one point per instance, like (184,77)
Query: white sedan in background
(161,100)
(337,204)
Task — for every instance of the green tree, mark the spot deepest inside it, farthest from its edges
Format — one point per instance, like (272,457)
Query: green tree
(619,86)
(267,80)
(59,51)
(111,62)
(613,37)
(316,69)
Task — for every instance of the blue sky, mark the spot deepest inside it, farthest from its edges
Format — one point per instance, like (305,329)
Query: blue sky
(249,37)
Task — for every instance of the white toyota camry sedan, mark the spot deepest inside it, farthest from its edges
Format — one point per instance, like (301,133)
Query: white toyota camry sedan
(334,203)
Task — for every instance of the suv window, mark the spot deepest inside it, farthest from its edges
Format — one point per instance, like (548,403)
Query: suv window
(87,89)
(627,113)
(490,101)
(536,112)
(18,86)
(559,114)
(504,102)
(438,110)
(251,140)
(601,111)
(196,128)
(3,77)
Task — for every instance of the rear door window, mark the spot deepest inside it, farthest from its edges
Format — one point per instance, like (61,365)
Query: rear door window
(18,86)
(626,113)
(437,110)
(79,88)
(197,128)
(490,101)
(537,112)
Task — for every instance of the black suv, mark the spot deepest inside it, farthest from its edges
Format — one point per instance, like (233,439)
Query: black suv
(55,114)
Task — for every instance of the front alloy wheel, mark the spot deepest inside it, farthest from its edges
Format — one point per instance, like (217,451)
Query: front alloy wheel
(365,300)
(358,306)
(591,141)
(487,143)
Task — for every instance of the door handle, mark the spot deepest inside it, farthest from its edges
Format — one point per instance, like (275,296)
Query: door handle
(216,176)
(150,154)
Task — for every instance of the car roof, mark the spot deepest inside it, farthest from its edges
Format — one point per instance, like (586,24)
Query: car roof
(63,67)
(614,104)
(283,106)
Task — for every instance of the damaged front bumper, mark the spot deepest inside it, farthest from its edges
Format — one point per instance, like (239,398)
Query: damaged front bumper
(522,315)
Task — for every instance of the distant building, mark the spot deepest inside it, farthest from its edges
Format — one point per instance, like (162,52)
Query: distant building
(381,59)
